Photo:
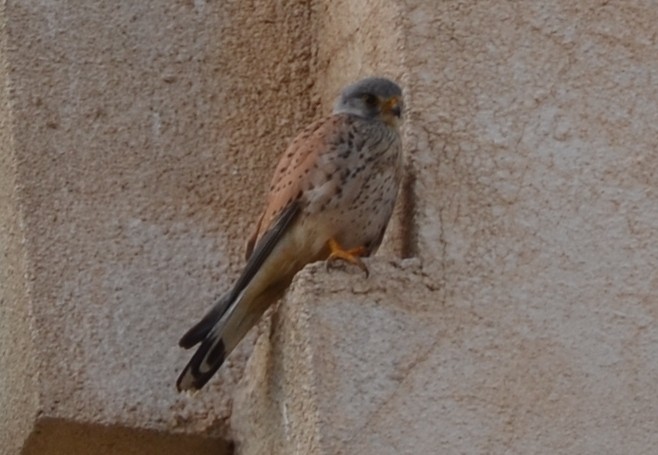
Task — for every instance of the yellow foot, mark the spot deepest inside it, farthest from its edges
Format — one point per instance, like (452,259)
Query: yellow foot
(352,256)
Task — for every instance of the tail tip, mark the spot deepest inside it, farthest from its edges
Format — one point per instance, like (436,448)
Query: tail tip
(186,382)
(203,365)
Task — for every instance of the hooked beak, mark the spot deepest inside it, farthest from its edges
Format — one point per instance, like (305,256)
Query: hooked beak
(393,106)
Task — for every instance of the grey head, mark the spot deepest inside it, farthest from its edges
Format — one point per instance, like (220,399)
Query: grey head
(372,98)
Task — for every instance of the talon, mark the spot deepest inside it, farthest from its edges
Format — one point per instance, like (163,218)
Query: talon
(352,256)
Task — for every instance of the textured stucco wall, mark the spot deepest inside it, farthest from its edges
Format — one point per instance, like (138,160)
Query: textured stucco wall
(137,142)
(338,350)
(140,140)
(18,373)
(530,326)
(538,165)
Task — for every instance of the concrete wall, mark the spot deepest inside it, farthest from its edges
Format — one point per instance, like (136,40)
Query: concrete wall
(137,141)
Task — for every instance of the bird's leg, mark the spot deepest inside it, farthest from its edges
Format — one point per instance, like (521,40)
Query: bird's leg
(353,256)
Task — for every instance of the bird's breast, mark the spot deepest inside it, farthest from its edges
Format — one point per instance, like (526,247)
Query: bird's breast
(354,201)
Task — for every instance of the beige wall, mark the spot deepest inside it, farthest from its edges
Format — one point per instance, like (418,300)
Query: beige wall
(18,367)
(143,136)
(137,141)
(528,324)
(538,209)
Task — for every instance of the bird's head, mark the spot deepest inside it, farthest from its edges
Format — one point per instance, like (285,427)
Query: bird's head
(372,98)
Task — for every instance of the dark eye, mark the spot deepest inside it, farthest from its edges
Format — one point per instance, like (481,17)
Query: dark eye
(370,100)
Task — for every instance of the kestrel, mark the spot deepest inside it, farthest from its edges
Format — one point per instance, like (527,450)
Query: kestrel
(331,198)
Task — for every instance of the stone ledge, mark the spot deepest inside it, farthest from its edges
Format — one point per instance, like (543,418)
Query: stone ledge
(386,366)
(339,348)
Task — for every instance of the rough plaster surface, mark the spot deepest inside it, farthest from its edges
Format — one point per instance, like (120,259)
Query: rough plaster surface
(387,366)
(140,138)
(532,136)
(18,373)
(334,357)
(538,209)
(137,140)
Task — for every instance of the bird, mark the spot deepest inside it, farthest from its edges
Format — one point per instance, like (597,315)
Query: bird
(331,198)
